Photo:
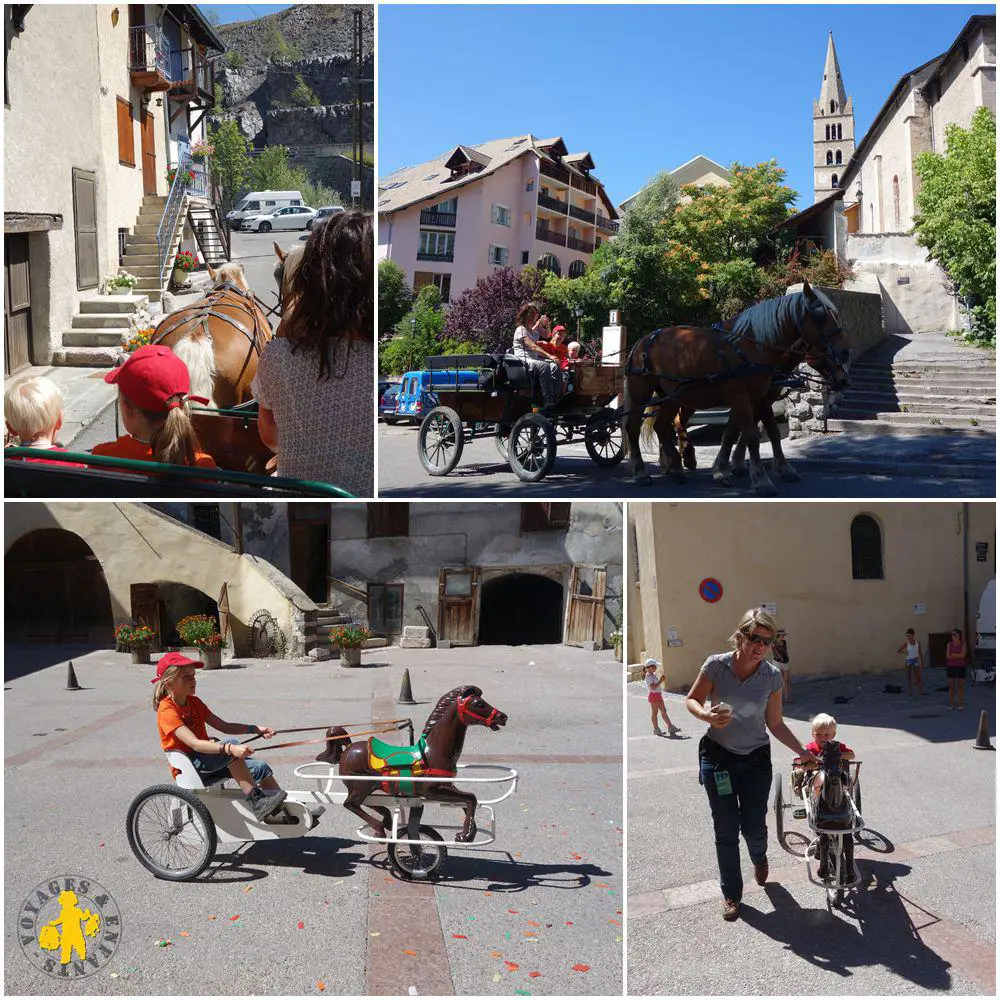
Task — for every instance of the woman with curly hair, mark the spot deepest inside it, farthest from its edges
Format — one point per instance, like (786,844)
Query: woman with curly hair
(314,381)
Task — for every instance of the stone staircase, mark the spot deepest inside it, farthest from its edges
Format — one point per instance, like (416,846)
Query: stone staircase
(99,329)
(914,398)
(141,256)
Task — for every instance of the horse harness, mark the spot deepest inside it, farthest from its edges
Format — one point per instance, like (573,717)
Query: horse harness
(201,313)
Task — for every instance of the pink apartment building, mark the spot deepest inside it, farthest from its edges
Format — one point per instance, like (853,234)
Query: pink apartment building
(508,202)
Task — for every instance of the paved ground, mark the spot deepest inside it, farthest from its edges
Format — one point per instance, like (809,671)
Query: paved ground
(925,924)
(545,897)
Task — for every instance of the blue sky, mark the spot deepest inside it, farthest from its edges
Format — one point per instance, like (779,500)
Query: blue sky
(242,11)
(644,88)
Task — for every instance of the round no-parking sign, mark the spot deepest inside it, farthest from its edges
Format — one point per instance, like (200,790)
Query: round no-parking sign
(710,590)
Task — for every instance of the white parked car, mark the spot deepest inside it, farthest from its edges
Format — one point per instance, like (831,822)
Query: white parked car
(292,217)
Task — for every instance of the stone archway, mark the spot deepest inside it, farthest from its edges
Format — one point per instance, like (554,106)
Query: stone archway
(519,609)
(55,591)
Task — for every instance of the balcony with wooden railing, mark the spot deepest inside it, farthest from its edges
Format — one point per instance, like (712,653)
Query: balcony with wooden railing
(149,62)
(582,214)
(542,232)
(606,225)
(584,246)
(554,171)
(552,204)
(585,184)
(429,217)
(194,76)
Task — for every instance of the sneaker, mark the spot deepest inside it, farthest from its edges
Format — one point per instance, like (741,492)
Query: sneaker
(961,708)
(730,909)
(674,729)
(263,802)
(760,871)
(659,732)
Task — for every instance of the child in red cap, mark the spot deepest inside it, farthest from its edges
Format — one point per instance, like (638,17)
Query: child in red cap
(153,391)
(181,719)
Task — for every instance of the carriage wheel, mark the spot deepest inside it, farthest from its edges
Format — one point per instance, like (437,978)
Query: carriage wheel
(418,862)
(500,437)
(856,797)
(604,439)
(531,448)
(779,807)
(440,441)
(171,832)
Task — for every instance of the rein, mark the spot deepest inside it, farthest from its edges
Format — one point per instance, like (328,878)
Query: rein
(389,726)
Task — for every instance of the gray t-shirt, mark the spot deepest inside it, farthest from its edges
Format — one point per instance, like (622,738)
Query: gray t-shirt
(749,700)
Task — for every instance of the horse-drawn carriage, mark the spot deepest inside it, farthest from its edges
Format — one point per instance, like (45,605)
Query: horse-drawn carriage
(508,401)
(175,829)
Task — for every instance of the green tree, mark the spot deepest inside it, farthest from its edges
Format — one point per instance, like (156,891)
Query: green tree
(271,170)
(230,161)
(957,216)
(303,96)
(420,335)
(579,304)
(234,59)
(276,47)
(394,296)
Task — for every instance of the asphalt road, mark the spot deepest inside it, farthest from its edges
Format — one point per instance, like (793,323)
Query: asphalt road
(481,473)
(925,924)
(282,917)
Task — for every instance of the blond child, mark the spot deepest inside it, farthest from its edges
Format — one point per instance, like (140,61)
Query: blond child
(655,687)
(33,411)
(824,731)
(181,719)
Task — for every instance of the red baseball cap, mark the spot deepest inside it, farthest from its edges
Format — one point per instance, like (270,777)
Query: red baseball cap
(151,376)
(173,660)
(559,329)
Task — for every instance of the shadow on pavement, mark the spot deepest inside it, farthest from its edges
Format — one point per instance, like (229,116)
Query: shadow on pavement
(21,660)
(333,857)
(506,874)
(884,933)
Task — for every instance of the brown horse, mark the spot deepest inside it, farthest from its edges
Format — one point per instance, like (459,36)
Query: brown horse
(435,754)
(701,368)
(220,337)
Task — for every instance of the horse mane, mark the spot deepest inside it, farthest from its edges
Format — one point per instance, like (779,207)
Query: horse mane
(765,320)
(444,703)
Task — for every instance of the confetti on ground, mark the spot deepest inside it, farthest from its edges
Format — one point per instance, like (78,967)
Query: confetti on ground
(512,966)
(247,888)
(534,975)
(114,975)
(530,933)
(470,918)
(374,933)
(512,911)
(487,893)
(569,923)
(617,923)
(522,993)
(580,967)
(185,934)
(101,844)
(408,951)
(506,934)
(213,916)
(496,954)
(301,925)
(577,857)
(601,885)
(496,978)
(321,986)
(463,937)
(235,918)
(619,938)
(164,944)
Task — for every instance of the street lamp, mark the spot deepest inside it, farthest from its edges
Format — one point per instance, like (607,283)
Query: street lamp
(578,313)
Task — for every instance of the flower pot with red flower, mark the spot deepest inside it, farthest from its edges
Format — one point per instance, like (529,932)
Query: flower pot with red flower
(187,176)
(349,639)
(201,639)
(184,263)
(137,639)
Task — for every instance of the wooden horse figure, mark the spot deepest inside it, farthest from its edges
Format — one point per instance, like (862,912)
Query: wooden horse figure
(700,368)
(434,755)
(220,337)
(833,811)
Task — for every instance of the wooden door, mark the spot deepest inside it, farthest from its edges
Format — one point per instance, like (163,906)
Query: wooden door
(458,606)
(148,155)
(585,611)
(145,609)
(85,227)
(16,305)
(309,544)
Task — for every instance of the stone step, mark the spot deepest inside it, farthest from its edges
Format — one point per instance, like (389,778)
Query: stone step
(894,428)
(923,366)
(145,270)
(894,401)
(87,357)
(940,386)
(93,338)
(138,259)
(96,320)
(856,411)
(113,304)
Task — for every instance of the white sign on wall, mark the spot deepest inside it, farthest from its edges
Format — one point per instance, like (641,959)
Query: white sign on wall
(672,632)
(770,607)
(920,609)
(355,189)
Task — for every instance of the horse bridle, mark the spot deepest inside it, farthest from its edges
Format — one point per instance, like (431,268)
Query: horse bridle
(464,710)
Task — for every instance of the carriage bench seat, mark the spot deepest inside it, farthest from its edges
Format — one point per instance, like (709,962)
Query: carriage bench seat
(450,362)
(185,774)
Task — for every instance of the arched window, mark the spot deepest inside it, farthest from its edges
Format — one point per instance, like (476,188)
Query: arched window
(895,199)
(837,158)
(866,549)
(549,262)
(829,158)
(828,133)
(833,106)
(840,131)
(577,268)
(833,181)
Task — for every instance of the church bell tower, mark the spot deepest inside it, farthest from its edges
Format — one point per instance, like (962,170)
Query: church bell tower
(833,128)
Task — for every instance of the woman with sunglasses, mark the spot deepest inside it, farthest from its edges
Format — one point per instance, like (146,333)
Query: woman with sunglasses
(744,689)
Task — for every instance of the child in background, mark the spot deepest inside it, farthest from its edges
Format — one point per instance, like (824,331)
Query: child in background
(153,392)
(914,661)
(655,688)
(33,411)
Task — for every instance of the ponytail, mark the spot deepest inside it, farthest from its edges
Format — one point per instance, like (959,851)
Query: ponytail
(160,690)
(174,441)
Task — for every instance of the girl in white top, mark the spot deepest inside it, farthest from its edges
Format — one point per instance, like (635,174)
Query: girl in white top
(914,661)
(656,687)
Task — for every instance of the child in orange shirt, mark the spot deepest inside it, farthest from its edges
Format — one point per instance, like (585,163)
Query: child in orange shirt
(153,392)
(181,719)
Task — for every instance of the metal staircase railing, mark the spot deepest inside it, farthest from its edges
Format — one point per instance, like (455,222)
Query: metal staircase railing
(167,229)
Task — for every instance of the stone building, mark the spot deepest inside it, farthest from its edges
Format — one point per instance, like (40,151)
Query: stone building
(846,580)
(833,128)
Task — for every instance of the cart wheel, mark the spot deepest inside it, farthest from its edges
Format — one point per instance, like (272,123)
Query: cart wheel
(779,806)
(603,438)
(171,832)
(418,862)
(531,448)
(440,441)
(856,797)
(500,438)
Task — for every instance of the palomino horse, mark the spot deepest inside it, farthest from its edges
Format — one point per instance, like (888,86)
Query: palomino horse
(435,755)
(220,337)
(287,264)
(701,368)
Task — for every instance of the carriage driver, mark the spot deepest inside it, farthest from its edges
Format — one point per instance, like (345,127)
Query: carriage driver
(531,329)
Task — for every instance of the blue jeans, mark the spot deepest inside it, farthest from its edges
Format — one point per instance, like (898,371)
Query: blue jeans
(743,810)
(214,767)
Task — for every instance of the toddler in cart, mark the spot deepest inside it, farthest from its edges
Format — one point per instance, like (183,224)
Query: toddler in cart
(824,731)
(655,687)
(181,718)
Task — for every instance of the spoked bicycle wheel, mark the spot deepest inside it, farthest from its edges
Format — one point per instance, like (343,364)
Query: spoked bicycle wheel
(418,862)
(171,832)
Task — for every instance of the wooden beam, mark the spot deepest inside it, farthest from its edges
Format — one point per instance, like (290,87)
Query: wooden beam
(30,222)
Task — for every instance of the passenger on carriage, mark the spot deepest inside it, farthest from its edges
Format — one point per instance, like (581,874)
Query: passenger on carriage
(153,394)
(531,329)
(33,411)
(181,719)
(824,731)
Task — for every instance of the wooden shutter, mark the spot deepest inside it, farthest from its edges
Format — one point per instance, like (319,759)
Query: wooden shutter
(85,227)
(545,516)
(585,611)
(126,134)
(16,304)
(387,520)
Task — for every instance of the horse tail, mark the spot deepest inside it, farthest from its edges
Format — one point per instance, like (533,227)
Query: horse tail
(649,415)
(334,746)
(198,353)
